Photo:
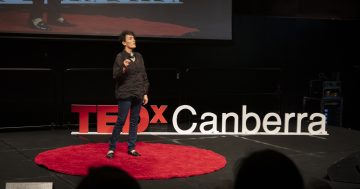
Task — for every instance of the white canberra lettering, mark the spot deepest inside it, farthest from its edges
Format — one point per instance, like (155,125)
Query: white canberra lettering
(316,125)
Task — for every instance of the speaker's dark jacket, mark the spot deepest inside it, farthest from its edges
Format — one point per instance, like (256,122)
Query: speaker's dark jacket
(133,82)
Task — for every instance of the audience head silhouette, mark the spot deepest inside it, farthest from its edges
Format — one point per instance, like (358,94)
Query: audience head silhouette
(268,169)
(108,177)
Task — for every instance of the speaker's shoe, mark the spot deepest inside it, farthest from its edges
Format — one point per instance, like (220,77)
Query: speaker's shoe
(59,22)
(39,24)
(110,154)
(134,153)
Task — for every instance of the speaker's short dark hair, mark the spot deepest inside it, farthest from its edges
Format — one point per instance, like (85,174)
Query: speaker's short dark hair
(123,34)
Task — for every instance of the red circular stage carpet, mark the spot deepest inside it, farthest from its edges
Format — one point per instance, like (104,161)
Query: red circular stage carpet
(157,161)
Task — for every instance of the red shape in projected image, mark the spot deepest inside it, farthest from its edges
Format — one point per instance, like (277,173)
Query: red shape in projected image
(17,22)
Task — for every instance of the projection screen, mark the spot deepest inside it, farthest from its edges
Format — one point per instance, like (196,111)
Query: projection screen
(185,19)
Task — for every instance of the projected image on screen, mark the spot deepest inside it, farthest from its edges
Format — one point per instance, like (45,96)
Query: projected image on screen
(192,19)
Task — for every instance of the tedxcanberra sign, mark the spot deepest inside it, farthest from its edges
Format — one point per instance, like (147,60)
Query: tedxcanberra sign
(271,124)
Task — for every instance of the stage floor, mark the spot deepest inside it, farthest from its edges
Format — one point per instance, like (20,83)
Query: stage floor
(312,154)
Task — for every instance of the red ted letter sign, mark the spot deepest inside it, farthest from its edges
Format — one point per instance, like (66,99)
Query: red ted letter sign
(106,114)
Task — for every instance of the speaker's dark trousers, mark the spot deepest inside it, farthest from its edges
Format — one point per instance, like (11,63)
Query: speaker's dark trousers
(133,105)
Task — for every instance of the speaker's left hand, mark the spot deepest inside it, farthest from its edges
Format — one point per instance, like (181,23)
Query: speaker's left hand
(145,100)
